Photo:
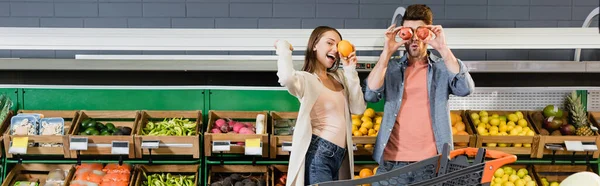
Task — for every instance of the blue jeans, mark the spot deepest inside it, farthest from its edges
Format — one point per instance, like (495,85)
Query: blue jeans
(323,161)
(403,179)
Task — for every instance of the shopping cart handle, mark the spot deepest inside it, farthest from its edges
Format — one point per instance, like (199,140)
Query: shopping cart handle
(469,151)
(500,159)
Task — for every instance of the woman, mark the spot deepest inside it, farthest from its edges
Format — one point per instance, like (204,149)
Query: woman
(328,96)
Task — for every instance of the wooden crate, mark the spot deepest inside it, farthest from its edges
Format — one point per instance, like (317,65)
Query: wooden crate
(276,172)
(529,168)
(173,169)
(36,172)
(3,128)
(68,115)
(359,167)
(101,145)
(243,116)
(216,172)
(463,141)
(537,118)
(364,144)
(483,140)
(557,172)
(277,140)
(169,145)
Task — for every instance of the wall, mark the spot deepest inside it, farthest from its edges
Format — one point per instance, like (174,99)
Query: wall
(293,14)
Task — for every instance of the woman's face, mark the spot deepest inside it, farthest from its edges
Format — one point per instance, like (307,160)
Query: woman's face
(326,49)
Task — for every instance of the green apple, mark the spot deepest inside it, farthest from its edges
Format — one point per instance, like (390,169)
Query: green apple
(527,178)
(499,173)
(513,178)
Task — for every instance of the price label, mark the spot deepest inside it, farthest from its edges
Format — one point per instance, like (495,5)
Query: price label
(554,147)
(354,147)
(78,143)
(253,147)
(221,146)
(286,146)
(574,145)
(19,145)
(120,147)
(150,144)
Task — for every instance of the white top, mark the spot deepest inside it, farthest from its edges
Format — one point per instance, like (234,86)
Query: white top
(307,88)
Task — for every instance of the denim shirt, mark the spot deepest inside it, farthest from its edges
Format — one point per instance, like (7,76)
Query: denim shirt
(441,82)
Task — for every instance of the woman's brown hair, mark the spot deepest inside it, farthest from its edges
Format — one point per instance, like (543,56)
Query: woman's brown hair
(310,56)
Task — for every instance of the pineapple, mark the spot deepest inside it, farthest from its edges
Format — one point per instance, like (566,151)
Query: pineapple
(578,116)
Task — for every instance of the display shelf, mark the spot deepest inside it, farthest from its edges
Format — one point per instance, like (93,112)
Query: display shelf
(245,117)
(169,145)
(528,145)
(537,118)
(187,170)
(557,173)
(101,144)
(37,172)
(62,148)
(277,140)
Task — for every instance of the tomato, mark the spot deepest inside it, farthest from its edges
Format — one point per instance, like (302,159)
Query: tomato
(405,33)
(422,33)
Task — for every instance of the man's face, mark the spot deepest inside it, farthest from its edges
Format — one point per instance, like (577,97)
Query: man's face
(414,46)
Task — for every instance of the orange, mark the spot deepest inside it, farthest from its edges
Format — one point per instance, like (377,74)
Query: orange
(462,133)
(357,133)
(365,173)
(363,130)
(345,48)
(460,126)
(454,130)
(356,177)
(375,170)
(372,132)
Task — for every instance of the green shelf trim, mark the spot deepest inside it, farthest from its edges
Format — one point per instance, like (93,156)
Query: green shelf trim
(208,162)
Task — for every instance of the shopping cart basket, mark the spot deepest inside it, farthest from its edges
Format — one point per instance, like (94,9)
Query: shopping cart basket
(451,168)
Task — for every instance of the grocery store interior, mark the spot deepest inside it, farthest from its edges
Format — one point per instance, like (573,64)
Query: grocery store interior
(186,92)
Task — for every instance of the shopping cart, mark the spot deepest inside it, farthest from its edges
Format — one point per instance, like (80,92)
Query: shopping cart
(451,168)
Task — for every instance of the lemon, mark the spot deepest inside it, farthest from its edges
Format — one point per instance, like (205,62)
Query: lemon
(377,127)
(367,124)
(483,113)
(518,145)
(484,119)
(522,122)
(502,128)
(526,144)
(356,122)
(495,122)
(502,145)
(513,117)
(357,133)
(530,133)
(474,116)
(354,116)
(354,128)
(372,132)
(519,114)
(378,119)
(476,122)
(365,119)
(491,144)
(369,112)
(363,130)
(495,116)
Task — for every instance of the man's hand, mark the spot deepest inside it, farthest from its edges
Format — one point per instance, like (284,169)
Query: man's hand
(391,45)
(439,42)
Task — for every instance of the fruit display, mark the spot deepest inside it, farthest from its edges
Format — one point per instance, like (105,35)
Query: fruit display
(231,126)
(170,127)
(96,174)
(32,124)
(91,127)
(507,175)
(458,127)
(284,127)
(54,177)
(545,182)
(366,172)
(556,122)
(367,124)
(510,124)
(240,180)
(168,179)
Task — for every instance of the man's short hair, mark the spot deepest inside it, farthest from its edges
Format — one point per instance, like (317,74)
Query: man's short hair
(418,12)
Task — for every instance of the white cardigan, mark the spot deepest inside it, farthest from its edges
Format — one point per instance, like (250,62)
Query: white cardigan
(306,87)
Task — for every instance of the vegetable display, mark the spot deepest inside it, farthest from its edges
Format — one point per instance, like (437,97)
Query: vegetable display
(168,180)
(232,126)
(239,180)
(96,175)
(91,127)
(171,127)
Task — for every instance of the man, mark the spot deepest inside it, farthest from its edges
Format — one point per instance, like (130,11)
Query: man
(415,87)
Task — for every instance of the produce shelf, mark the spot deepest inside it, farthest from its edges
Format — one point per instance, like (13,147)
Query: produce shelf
(557,173)
(37,172)
(364,142)
(171,144)
(278,140)
(279,175)
(248,117)
(217,173)
(538,118)
(101,145)
(174,170)
(62,147)
(493,142)
(3,128)
(461,140)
